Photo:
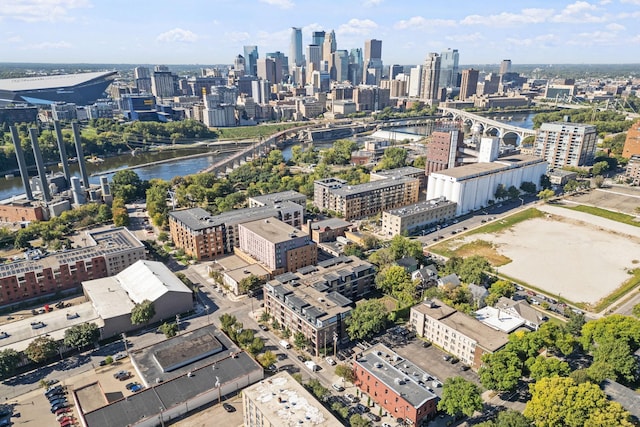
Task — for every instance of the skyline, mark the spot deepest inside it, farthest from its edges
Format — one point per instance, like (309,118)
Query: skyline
(196,32)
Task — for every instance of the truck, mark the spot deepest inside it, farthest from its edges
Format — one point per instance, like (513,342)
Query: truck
(285,344)
(311,365)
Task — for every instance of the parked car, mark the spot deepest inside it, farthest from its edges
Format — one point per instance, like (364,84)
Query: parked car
(426,344)
(119,356)
(372,416)
(454,360)
(337,387)
(130,385)
(263,327)
(125,376)
(60,406)
(119,374)
(229,408)
(464,368)
(362,408)
(446,357)
(136,388)
(351,398)
(57,401)
(330,361)
(302,358)
(62,411)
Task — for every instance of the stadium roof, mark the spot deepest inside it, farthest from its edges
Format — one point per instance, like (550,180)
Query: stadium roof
(51,82)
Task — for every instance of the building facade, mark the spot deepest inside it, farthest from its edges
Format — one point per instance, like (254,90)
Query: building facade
(632,143)
(327,230)
(442,149)
(106,253)
(429,89)
(566,144)
(277,245)
(396,384)
(633,169)
(403,172)
(472,186)
(358,201)
(420,215)
(455,332)
(469,83)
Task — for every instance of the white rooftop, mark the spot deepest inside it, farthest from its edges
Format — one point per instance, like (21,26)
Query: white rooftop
(149,280)
(49,82)
(499,319)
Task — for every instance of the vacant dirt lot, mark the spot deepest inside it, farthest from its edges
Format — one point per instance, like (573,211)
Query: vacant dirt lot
(580,257)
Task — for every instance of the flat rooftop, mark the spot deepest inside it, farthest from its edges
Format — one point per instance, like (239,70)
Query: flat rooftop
(419,207)
(474,170)
(285,402)
(278,197)
(398,374)
(403,171)
(201,343)
(348,190)
(50,82)
(332,223)
(273,230)
(499,319)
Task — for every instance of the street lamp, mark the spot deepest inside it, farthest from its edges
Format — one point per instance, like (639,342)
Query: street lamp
(124,340)
(206,307)
(161,418)
(335,343)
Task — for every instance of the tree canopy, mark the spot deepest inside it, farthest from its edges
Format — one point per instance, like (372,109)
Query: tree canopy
(393,157)
(500,371)
(460,396)
(81,335)
(41,349)
(369,317)
(9,359)
(142,312)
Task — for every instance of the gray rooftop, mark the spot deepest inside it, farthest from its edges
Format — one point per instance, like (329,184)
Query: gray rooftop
(423,206)
(389,368)
(50,82)
(403,171)
(474,170)
(625,396)
(278,197)
(332,223)
(348,190)
(273,230)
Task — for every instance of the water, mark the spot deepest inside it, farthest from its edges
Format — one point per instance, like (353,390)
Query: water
(523,120)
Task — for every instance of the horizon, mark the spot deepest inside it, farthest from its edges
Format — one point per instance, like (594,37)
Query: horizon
(161,32)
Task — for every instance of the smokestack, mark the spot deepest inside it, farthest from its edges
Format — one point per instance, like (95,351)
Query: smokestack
(42,173)
(63,152)
(24,174)
(78,194)
(80,154)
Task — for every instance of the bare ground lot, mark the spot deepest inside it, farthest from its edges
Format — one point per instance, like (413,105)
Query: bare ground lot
(582,258)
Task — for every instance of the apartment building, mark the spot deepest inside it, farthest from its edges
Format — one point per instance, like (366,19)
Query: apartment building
(107,252)
(277,245)
(319,315)
(633,169)
(632,143)
(276,198)
(269,404)
(457,333)
(395,384)
(326,230)
(363,200)
(416,216)
(566,144)
(403,172)
(205,236)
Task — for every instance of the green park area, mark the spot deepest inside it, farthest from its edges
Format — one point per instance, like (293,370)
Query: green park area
(249,132)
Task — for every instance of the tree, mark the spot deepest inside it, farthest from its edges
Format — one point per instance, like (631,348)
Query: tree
(345,372)
(143,312)
(500,288)
(636,309)
(513,192)
(126,184)
(369,317)
(508,418)
(613,358)
(357,420)
(616,327)
(41,349)
(119,213)
(227,321)
(299,340)
(9,359)
(544,367)
(460,396)
(501,192)
(575,323)
(267,359)
(570,186)
(249,284)
(392,278)
(353,249)
(559,401)
(598,181)
(169,329)
(600,168)
(546,194)
(501,371)
(528,187)
(472,269)
(393,157)
(81,335)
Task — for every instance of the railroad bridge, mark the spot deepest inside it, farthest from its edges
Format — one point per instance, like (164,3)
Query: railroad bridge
(487,126)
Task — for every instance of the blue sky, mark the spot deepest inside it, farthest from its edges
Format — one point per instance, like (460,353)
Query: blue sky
(214,31)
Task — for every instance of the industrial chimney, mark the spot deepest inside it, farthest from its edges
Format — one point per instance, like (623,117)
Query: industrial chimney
(63,152)
(42,173)
(78,194)
(24,174)
(80,154)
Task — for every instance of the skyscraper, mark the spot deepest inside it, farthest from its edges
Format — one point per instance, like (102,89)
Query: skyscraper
(566,144)
(355,66)
(295,48)
(395,70)
(449,68)
(341,63)
(267,70)
(373,60)
(329,46)
(505,66)
(469,84)
(415,82)
(282,65)
(317,38)
(143,79)
(238,63)
(163,83)
(430,78)
(251,60)
(314,56)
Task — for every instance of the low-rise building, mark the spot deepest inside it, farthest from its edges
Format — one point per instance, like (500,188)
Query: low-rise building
(561,177)
(326,230)
(396,384)
(404,172)
(283,401)
(363,200)
(205,236)
(457,333)
(277,245)
(276,198)
(21,211)
(633,169)
(417,216)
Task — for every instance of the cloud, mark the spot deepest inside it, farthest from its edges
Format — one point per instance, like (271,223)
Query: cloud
(594,38)
(538,41)
(40,10)
(505,19)
(177,35)
(282,4)
(615,27)
(465,38)
(579,12)
(48,45)
(420,23)
(371,3)
(631,1)
(237,36)
(357,26)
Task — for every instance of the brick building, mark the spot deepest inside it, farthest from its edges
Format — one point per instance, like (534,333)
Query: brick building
(326,230)
(632,143)
(107,253)
(395,384)
(413,217)
(22,210)
(442,150)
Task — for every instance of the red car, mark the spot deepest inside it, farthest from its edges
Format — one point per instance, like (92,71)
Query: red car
(65,420)
(62,411)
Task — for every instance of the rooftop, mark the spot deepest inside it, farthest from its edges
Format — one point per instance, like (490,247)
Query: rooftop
(423,206)
(403,171)
(278,197)
(499,319)
(51,82)
(398,374)
(625,396)
(285,402)
(273,230)
(372,185)
(332,223)
(475,170)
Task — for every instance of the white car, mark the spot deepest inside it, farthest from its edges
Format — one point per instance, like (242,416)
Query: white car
(337,387)
(330,361)
(119,356)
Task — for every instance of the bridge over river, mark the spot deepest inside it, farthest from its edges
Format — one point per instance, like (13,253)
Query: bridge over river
(486,125)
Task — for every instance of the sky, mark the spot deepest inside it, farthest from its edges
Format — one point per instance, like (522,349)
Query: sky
(215,31)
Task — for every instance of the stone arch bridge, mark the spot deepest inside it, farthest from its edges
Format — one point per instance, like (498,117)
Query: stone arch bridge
(489,127)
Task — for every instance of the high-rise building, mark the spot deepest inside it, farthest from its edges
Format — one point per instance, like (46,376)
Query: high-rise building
(314,56)
(251,60)
(163,83)
(295,48)
(442,149)
(341,63)
(632,143)
(317,38)
(566,144)
(505,66)
(395,70)
(267,69)
(328,48)
(415,82)
(449,68)
(356,62)
(430,78)
(373,59)
(143,79)
(238,63)
(282,65)
(469,84)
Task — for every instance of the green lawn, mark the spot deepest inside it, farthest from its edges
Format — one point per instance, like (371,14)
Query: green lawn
(623,290)
(614,216)
(247,132)
(508,222)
